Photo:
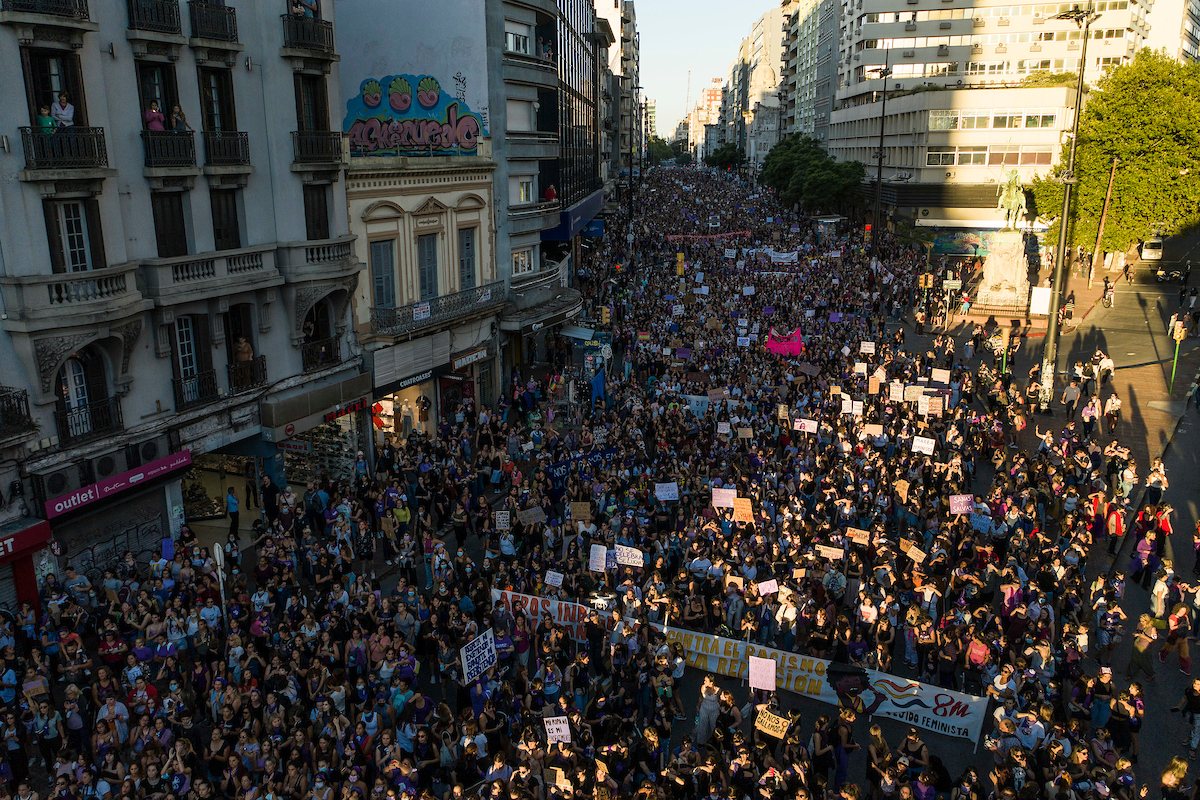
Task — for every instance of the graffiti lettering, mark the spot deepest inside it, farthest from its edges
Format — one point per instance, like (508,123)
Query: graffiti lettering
(380,135)
(947,706)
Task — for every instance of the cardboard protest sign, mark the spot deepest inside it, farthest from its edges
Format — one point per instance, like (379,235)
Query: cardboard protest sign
(831,553)
(901,488)
(724,498)
(477,655)
(916,554)
(771,724)
(962,503)
(581,510)
(502,521)
(872,385)
(768,587)
(923,444)
(858,536)
(867,348)
(762,673)
(553,578)
(666,491)
(860,368)
(557,729)
(941,376)
(629,556)
(782,411)
(531,516)
(911,393)
(873,429)
(743,510)
(558,777)
(745,433)
(734,580)
(597,557)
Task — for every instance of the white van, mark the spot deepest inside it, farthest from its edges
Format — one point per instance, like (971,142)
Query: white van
(1152,249)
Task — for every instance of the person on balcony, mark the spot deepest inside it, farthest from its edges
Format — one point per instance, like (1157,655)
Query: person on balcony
(44,123)
(305,8)
(155,119)
(179,123)
(551,193)
(243,351)
(62,111)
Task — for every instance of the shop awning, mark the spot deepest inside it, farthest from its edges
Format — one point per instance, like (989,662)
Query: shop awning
(566,305)
(576,332)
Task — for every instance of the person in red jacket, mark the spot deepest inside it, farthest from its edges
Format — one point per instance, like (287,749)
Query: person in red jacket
(143,697)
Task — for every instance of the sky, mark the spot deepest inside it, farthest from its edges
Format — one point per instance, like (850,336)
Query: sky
(701,35)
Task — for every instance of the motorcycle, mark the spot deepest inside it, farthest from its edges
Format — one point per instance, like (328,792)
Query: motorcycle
(1172,273)
(1109,294)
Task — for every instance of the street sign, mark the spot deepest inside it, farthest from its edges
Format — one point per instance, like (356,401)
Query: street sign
(951,286)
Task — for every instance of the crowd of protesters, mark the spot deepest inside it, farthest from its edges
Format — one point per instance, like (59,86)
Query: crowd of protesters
(308,681)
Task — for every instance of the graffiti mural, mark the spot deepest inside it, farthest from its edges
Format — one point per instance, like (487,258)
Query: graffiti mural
(410,115)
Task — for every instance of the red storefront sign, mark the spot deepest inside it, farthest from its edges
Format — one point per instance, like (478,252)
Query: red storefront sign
(33,537)
(116,484)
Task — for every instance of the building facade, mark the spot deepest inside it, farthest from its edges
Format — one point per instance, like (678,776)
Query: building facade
(175,264)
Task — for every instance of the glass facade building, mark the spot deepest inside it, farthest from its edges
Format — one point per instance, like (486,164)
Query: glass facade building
(578,110)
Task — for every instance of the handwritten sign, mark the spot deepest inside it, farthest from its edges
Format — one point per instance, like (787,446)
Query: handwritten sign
(666,491)
(867,348)
(962,503)
(768,587)
(747,291)
(531,516)
(896,392)
(724,498)
(558,729)
(772,725)
(916,554)
(743,510)
(874,429)
(553,578)
(923,444)
(941,376)
(831,553)
(629,556)
(503,522)
(597,556)
(723,428)
(808,425)
(901,488)
(782,412)
(581,510)
(478,655)
(762,673)
(858,536)
(745,433)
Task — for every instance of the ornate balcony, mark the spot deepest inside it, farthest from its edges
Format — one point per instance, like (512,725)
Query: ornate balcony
(317,147)
(69,9)
(307,36)
(169,149)
(247,375)
(156,16)
(183,279)
(320,259)
(321,353)
(89,422)
(197,390)
(438,311)
(213,22)
(92,297)
(75,147)
(226,149)
(14,412)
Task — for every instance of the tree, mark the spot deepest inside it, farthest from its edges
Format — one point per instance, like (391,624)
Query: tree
(727,156)
(660,151)
(1147,115)
(800,170)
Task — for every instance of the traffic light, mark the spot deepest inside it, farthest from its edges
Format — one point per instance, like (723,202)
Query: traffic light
(604,314)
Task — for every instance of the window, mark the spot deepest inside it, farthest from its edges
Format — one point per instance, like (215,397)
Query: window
(519,116)
(1003,155)
(524,190)
(1039,118)
(943,120)
(975,118)
(466,258)
(227,233)
(1040,156)
(316,212)
(48,72)
(185,347)
(383,273)
(156,83)
(516,43)
(939,156)
(312,103)
(972,155)
(522,261)
(170,228)
(216,100)
(73,235)
(1006,118)
(427,266)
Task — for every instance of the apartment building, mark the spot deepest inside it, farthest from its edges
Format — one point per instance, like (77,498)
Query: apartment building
(960,111)
(175,268)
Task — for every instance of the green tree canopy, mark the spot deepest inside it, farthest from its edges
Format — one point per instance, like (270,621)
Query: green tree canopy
(1147,115)
(660,151)
(802,172)
(727,156)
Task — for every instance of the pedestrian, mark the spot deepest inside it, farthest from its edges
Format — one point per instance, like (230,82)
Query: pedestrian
(1112,412)
(1139,657)
(231,508)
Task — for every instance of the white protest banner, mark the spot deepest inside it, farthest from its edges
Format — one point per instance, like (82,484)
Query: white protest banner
(723,498)
(573,616)
(962,503)
(553,578)
(502,520)
(860,368)
(896,392)
(477,655)
(921,705)
(847,405)
(808,425)
(596,558)
(629,556)
(1039,300)
(857,408)
(723,427)
(940,375)
(743,341)
(923,444)
(747,291)
(768,587)
(557,729)
(866,348)
(666,491)
(762,673)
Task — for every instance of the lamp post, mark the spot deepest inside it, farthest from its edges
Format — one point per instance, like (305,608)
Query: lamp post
(884,73)
(633,106)
(781,94)
(1083,18)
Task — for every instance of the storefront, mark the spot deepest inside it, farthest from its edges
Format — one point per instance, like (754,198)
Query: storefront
(134,511)
(25,561)
(406,406)
(530,331)
(319,432)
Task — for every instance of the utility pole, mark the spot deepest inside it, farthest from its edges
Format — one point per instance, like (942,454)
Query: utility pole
(1082,18)
(884,73)
(1112,173)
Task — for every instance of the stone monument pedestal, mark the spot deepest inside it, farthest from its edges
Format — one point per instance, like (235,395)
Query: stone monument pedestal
(1005,272)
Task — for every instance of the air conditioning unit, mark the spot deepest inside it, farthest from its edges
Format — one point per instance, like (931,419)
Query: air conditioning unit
(1001,48)
(909,53)
(943,50)
(979,22)
(944,25)
(910,26)
(951,174)
(1038,19)
(59,482)
(150,450)
(109,464)
(899,86)
(1004,21)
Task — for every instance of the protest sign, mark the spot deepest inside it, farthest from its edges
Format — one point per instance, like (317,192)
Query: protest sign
(558,777)
(723,427)
(858,536)
(941,376)
(553,578)
(873,429)
(771,724)
(629,556)
(857,408)
(901,488)
(831,553)
(573,616)
(743,510)
(557,729)
(768,587)
(896,392)
(873,385)
(502,521)
(666,491)
(724,498)
(860,368)
(581,511)
(923,444)
(743,341)
(808,425)
(916,554)
(867,348)
(962,503)
(762,673)
(477,655)
(782,411)
(597,557)
(745,433)
(747,291)
(531,516)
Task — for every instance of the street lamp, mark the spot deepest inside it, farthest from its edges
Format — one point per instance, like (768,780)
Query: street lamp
(633,112)
(1083,18)
(781,95)
(884,72)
